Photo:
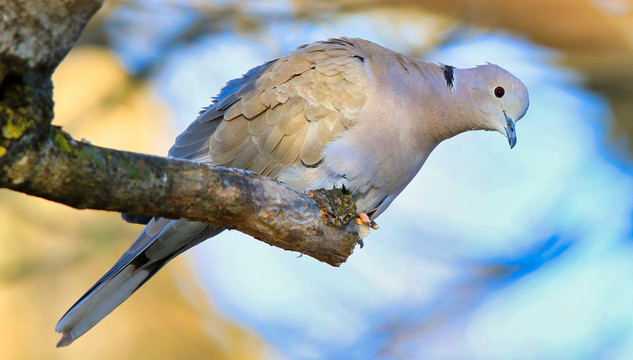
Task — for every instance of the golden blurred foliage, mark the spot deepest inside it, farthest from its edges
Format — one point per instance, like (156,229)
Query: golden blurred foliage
(576,26)
(51,254)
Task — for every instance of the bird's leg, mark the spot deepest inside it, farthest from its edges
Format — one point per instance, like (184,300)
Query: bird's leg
(363,219)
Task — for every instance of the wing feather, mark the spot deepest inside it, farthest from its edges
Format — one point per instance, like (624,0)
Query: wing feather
(287,111)
(267,143)
(275,170)
(230,132)
(294,153)
(252,108)
(221,155)
(193,143)
(259,163)
(311,149)
(246,158)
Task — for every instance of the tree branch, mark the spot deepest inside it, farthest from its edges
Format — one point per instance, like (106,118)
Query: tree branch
(85,176)
(42,160)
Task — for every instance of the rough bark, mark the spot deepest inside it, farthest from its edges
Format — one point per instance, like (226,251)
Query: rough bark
(42,160)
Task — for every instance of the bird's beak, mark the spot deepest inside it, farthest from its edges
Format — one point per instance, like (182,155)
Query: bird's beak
(510,132)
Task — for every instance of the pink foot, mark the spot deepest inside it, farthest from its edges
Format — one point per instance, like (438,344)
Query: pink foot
(363,219)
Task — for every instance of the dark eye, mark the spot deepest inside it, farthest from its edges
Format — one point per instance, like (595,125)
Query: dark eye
(499,92)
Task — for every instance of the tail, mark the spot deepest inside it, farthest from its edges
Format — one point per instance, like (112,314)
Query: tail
(160,241)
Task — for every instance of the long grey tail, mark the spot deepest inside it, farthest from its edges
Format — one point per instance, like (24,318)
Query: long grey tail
(160,241)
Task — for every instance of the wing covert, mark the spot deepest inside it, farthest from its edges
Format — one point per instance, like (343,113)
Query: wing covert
(297,106)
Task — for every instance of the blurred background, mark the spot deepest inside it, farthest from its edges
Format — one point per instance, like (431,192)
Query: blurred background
(488,254)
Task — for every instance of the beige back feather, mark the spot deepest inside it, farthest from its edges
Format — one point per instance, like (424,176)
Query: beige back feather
(286,113)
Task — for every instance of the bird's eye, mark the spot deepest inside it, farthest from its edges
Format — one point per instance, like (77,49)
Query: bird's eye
(499,92)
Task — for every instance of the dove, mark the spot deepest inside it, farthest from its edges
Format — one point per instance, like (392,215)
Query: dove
(344,113)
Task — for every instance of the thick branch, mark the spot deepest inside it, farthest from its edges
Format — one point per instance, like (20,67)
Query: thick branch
(85,176)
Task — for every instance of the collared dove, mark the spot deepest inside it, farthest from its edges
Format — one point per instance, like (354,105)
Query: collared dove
(343,113)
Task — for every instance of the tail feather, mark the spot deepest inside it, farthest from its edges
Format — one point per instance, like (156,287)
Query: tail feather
(148,254)
(100,302)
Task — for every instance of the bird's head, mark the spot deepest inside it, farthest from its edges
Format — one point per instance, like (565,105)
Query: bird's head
(502,99)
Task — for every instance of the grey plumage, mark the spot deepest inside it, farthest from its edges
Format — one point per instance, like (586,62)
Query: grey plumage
(344,113)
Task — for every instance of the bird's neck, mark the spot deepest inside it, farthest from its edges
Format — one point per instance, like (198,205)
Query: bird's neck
(455,113)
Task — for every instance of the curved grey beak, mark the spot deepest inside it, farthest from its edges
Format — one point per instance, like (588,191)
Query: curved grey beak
(510,132)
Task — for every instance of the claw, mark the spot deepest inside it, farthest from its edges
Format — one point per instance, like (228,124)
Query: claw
(373,225)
